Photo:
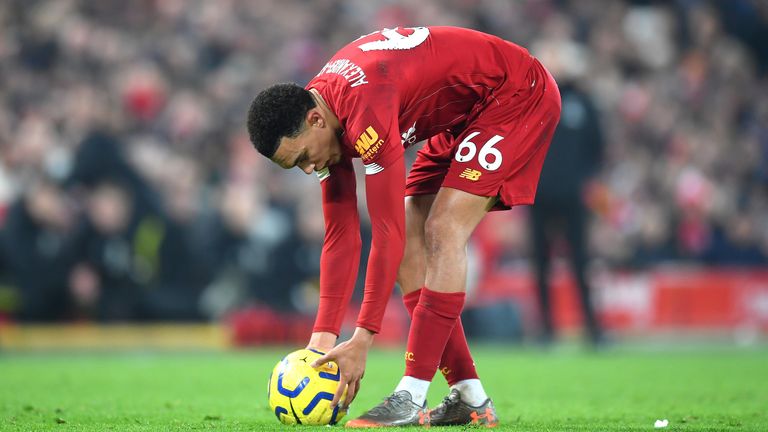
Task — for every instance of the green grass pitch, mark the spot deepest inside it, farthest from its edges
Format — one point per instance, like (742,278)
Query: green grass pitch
(617,390)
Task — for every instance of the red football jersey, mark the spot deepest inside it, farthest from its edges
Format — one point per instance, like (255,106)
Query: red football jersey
(391,89)
(404,85)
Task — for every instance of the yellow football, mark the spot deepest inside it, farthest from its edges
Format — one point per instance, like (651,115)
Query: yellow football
(300,394)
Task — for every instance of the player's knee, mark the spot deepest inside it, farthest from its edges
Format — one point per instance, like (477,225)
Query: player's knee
(441,234)
(410,274)
(402,276)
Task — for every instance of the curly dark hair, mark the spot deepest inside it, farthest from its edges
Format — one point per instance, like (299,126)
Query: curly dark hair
(278,111)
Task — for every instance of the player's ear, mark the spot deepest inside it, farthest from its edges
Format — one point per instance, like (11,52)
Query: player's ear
(315,118)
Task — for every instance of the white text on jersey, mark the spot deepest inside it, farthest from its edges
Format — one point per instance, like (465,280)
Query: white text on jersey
(353,73)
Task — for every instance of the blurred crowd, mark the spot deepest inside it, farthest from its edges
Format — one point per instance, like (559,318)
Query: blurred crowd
(129,189)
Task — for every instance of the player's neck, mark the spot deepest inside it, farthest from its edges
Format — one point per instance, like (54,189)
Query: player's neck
(332,119)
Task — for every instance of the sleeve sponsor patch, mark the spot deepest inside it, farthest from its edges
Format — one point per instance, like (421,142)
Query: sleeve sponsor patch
(368,144)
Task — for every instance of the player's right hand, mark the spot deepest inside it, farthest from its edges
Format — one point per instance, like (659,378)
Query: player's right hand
(350,356)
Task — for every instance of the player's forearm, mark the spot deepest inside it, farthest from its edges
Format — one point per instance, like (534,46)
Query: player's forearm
(386,208)
(381,274)
(338,271)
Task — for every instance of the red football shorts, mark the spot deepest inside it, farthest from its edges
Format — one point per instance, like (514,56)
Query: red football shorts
(501,150)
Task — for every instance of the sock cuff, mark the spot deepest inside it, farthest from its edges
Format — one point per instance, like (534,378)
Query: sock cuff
(448,305)
(411,299)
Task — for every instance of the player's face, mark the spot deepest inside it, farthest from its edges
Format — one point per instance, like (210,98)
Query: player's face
(315,148)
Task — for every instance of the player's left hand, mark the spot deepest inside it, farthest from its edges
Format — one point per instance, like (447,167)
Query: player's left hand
(350,356)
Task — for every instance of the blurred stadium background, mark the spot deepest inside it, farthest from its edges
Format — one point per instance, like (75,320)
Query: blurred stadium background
(134,211)
(142,238)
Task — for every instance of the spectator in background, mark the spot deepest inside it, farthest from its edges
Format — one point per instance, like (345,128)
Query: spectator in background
(135,262)
(36,247)
(559,211)
(99,157)
(241,247)
(107,281)
(296,262)
(654,243)
(735,243)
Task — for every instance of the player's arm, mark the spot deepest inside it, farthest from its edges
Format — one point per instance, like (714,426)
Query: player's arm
(384,191)
(340,255)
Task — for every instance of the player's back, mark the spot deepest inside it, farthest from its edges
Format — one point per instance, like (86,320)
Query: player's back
(452,74)
(428,78)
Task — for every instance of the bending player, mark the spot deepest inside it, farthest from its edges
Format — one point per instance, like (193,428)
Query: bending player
(488,110)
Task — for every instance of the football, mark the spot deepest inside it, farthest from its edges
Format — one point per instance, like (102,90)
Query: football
(300,394)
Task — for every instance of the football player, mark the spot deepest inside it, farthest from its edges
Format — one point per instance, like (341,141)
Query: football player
(487,110)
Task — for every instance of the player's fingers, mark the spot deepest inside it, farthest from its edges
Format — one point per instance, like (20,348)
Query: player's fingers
(339,392)
(322,360)
(352,390)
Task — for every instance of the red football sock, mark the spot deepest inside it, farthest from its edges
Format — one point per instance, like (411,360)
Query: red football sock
(410,301)
(434,318)
(456,363)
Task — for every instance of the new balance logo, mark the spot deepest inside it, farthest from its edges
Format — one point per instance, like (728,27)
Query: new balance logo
(471,174)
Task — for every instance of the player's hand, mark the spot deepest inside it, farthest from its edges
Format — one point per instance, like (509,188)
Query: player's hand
(350,356)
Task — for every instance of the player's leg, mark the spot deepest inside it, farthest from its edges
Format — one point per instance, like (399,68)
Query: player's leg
(453,216)
(452,219)
(456,363)
(401,408)
(410,275)
(500,155)
(424,181)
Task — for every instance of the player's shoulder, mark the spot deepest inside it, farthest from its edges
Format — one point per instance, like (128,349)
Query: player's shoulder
(390,41)
(463,33)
